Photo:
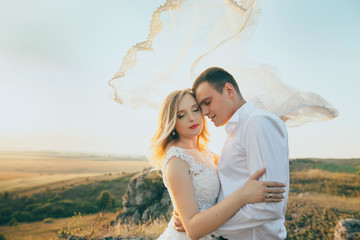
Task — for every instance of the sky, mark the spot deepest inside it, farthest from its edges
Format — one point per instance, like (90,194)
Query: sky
(56,58)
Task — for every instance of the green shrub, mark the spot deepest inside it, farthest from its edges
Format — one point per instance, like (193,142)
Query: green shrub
(21,216)
(6,195)
(48,220)
(57,197)
(5,215)
(56,211)
(105,200)
(41,211)
(66,203)
(87,207)
(32,206)
(13,222)
(31,200)
(334,167)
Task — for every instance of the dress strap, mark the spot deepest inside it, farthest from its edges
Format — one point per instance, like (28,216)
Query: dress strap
(176,152)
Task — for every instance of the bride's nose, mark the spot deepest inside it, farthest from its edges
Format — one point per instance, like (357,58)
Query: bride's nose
(191,117)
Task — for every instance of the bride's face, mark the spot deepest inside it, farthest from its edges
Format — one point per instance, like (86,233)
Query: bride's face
(189,121)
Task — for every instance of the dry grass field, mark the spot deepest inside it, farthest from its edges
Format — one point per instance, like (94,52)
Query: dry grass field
(93,225)
(50,229)
(38,184)
(29,173)
(36,171)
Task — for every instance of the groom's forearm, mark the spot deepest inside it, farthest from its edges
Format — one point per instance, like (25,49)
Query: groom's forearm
(254,215)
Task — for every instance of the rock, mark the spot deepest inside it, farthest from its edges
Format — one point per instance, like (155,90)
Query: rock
(76,238)
(120,238)
(160,210)
(135,218)
(146,197)
(305,194)
(347,229)
(111,238)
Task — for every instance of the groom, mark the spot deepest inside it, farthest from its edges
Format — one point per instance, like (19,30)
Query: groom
(256,139)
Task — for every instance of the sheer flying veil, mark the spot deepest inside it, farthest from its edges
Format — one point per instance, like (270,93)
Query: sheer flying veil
(188,36)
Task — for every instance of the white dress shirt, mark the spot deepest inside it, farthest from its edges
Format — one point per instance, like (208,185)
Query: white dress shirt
(256,139)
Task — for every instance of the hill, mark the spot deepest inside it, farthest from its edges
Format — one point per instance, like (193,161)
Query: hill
(322,191)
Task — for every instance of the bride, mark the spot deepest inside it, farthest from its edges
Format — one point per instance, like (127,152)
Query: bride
(190,171)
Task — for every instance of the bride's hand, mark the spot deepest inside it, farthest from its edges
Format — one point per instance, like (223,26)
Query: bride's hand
(262,191)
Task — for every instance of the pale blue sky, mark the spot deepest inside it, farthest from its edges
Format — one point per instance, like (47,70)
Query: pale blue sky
(57,56)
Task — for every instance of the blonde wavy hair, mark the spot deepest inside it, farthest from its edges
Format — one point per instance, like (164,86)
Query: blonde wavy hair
(163,138)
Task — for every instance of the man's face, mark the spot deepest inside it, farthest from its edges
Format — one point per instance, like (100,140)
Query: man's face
(216,106)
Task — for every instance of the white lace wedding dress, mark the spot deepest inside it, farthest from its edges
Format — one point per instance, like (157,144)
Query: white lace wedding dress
(205,181)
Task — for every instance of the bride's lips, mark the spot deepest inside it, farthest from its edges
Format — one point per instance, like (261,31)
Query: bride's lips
(194,126)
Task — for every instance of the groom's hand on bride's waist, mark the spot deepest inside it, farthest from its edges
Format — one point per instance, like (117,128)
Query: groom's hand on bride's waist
(178,226)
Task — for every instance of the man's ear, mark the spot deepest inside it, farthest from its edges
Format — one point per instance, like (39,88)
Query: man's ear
(229,90)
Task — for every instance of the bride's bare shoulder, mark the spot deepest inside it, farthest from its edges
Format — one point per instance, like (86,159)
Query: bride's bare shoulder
(176,167)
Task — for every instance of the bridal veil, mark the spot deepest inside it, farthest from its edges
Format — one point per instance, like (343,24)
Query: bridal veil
(188,36)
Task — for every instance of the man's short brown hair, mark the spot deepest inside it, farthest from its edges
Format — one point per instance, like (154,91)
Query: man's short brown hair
(217,78)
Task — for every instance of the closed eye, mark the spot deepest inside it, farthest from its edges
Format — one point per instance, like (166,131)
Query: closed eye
(206,103)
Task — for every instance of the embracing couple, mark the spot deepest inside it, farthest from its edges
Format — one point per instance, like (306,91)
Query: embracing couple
(222,197)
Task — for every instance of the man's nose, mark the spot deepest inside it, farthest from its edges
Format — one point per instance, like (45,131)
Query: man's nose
(204,111)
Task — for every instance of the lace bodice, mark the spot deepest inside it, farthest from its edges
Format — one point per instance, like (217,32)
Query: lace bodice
(203,173)
(205,180)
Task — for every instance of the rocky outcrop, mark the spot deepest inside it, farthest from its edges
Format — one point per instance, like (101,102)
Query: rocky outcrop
(146,197)
(347,229)
(120,238)
(111,238)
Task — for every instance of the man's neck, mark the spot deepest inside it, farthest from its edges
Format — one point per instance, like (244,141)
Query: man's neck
(238,104)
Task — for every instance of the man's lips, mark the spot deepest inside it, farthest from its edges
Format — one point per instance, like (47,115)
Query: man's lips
(212,118)
(194,126)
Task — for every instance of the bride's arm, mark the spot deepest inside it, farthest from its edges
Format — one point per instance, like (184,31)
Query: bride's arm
(198,224)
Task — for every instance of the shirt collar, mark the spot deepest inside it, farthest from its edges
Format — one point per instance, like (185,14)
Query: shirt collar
(238,116)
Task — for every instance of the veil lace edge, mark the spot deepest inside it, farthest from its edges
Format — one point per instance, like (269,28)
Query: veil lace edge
(130,58)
